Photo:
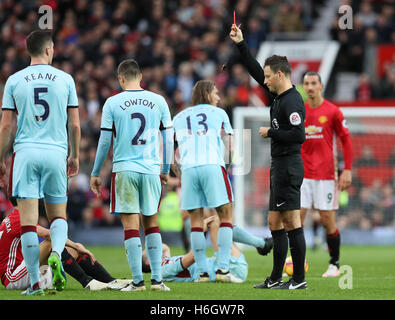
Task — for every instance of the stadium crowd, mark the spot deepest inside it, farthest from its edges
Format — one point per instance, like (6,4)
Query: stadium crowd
(175,48)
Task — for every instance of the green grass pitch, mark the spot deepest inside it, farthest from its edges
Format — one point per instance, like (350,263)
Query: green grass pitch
(373,278)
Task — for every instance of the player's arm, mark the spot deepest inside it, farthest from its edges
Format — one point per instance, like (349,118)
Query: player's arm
(43,233)
(228,140)
(101,154)
(74,129)
(250,63)
(342,131)
(8,108)
(75,138)
(212,224)
(167,132)
(175,167)
(5,131)
(102,148)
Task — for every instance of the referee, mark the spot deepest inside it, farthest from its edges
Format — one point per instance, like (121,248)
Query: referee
(287,133)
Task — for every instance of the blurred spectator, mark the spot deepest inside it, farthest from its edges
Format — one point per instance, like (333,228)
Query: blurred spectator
(176,44)
(367,158)
(387,84)
(364,89)
(391,159)
(366,14)
(76,202)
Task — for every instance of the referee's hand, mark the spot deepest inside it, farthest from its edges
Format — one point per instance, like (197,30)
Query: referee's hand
(235,34)
(263,131)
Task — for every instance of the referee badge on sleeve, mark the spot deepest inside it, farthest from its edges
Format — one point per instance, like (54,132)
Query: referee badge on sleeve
(295,119)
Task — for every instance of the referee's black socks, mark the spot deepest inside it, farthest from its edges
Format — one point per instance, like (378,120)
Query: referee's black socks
(280,250)
(297,245)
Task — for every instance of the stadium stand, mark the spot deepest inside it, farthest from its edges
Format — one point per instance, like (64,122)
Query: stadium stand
(175,48)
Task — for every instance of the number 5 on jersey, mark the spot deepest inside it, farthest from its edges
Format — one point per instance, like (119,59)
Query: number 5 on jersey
(42,102)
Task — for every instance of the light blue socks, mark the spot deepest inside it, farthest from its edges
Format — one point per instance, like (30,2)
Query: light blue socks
(198,245)
(31,253)
(58,231)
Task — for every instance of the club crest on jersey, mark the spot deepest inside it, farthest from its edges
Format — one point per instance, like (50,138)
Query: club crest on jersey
(322,119)
(295,119)
(344,123)
(275,123)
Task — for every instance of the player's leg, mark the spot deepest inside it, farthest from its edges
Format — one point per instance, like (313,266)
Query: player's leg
(176,265)
(218,192)
(297,243)
(280,249)
(72,267)
(150,196)
(306,198)
(225,236)
(25,187)
(133,248)
(198,242)
(56,213)
(45,251)
(327,203)
(28,211)
(54,187)
(263,245)
(96,270)
(316,224)
(238,265)
(303,213)
(280,244)
(289,193)
(193,201)
(125,201)
(333,240)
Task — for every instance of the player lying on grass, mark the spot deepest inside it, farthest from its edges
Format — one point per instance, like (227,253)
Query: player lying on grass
(184,269)
(77,261)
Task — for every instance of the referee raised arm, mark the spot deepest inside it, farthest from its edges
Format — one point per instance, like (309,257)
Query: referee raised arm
(287,114)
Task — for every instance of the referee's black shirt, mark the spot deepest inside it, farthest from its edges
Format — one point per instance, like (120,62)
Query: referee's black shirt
(287,112)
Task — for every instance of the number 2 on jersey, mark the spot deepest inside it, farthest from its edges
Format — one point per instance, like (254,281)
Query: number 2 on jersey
(201,122)
(136,141)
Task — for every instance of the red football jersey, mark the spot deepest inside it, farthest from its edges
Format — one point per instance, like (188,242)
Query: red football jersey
(10,247)
(319,152)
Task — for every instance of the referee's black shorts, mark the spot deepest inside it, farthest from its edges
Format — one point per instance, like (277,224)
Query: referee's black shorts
(286,177)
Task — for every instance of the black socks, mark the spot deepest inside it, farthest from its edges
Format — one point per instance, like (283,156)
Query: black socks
(297,245)
(95,270)
(73,269)
(333,241)
(280,250)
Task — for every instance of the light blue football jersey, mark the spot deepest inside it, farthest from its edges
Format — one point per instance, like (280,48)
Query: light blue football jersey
(198,133)
(40,95)
(136,116)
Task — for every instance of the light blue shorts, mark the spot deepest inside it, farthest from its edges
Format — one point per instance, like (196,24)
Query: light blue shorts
(237,266)
(39,173)
(205,186)
(135,192)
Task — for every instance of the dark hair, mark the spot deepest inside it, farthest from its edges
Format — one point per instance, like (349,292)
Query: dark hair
(37,40)
(13,201)
(201,91)
(129,69)
(146,268)
(313,73)
(278,63)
